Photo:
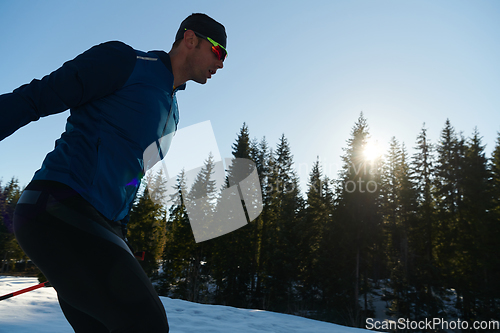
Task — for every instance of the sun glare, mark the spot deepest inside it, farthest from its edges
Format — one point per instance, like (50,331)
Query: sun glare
(372,150)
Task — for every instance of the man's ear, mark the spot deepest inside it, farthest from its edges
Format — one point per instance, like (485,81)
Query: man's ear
(190,39)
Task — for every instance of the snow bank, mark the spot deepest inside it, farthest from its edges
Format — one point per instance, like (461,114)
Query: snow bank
(39,312)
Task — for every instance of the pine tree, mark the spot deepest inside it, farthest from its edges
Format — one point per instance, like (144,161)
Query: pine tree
(357,210)
(179,248)
(448,195)
(235,254)
(4,232)
(491,236)
(186,264)
(494,167)
(283,212)
(10,251)
(259,153)
(423,235)
(317,215)
(335,269)
(399,208)
(146,231)
(391,208)
(470,266)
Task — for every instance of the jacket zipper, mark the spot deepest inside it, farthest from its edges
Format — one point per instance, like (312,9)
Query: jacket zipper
(170,114)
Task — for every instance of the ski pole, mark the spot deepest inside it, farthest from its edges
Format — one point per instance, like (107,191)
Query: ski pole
(22,291)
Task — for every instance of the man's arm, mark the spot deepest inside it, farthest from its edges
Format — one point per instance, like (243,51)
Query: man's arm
(93,74)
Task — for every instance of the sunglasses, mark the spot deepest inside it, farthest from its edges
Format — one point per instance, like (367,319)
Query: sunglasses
(219,50)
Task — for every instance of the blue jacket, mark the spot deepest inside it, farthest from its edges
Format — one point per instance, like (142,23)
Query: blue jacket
(121,102)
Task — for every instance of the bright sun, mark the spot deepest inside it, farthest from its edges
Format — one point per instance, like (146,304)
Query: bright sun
(372,150)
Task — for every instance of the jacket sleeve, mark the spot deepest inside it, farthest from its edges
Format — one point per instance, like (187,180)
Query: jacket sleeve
(93,74)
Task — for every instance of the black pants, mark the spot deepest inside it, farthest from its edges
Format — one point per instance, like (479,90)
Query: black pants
(100,285)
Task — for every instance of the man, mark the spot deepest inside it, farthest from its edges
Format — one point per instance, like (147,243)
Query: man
(71,218)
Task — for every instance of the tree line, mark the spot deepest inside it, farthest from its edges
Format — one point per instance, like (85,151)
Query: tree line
(425,224)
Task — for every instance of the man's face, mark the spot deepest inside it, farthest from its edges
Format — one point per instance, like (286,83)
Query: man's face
(203,62)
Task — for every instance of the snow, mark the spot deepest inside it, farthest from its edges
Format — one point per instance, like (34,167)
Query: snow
(38,312)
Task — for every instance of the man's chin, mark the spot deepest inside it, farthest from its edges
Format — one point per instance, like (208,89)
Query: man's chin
(201,81)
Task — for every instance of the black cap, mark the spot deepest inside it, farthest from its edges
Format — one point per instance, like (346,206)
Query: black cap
(204,25)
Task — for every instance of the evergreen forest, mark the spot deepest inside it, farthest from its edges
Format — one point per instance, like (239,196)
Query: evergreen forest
(424,225)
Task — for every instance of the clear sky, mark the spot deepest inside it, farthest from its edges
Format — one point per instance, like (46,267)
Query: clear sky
(303,68)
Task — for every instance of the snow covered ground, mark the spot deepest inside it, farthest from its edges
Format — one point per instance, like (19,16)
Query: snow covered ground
(39,312)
